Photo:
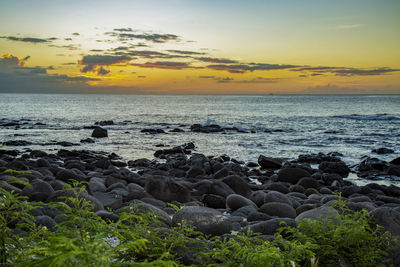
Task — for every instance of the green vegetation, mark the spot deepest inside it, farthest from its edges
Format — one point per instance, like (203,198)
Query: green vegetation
(81,238)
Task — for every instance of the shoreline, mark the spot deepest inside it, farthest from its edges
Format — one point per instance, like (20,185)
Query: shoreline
(219,194)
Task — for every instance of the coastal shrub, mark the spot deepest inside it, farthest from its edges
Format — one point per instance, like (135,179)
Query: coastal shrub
(81,238)
(350,238)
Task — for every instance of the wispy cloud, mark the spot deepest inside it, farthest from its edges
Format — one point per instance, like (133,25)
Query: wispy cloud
(29,39)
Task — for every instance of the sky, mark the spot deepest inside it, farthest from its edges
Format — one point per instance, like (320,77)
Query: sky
(200,46)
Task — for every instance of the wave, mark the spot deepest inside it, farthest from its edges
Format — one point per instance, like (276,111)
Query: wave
(371,117)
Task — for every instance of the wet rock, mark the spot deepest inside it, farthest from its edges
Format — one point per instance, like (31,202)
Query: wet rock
(213,201)
(206,128)
(60,195)
(349,190)
(17,143)
(338,167)
(87,141)
(382,150)
(177,130)
(388,199)
(393,170)
(395,161)
(318,158)
(245,211)
(279,209)
(205,220)
(317,214)
(104,123)
(153,131)
(43,163)
(166,189)
(292,175)
(269,163)
(99,132)
(138,206)
(296,188)
(96,185)
(235,201)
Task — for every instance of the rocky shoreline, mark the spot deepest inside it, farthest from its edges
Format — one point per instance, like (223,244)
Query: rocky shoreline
(218,194)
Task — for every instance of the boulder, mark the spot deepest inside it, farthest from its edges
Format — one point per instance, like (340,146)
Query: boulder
(271,226)
(279,209)
(318,214)
(309,182)
(269,163)
(275,196)
(203,219)
(258,197)
(109,199)
(235,201)
(99,132)
(166,189)
(220,188)
(38,190)
(277,187)
(213,201)
(238,185)
(292,175)
(338,167)
(46,221)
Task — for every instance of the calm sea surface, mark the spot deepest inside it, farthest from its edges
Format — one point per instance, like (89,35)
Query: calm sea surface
(295,124)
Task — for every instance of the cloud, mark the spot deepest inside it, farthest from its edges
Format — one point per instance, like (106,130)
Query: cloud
(343,71)
(91,62)
(364,72)
(76,34)
(184,52)
(102,71)
(217,60)
(350,26)
(28,39)
(242,68)
(15,77)
(151,37)
(123,30)
(69,47)
(165,65)
(231,80)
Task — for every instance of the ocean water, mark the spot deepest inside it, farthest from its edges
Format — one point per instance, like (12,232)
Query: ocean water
(275,125)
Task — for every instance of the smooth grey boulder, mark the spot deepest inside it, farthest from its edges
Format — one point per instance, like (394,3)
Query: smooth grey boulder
(309,182)
(275,196)
(271,226)
(213,201)
(319,214)
(37,190)
(166,189)
(279,209)
(138,206)
(388,218)
(220,188)
(109,199)
(203,219)
(45,220)
(269,163)
(235,201)
(258,197)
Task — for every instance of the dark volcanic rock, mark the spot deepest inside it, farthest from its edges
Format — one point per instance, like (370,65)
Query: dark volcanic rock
(292,175)
(87,141)
(271,226)
(153,131)
(258,197)
(17,143)
(279,209)
(269,163)
(317,214)
(235,201)
(103,123)
(45,220)
(206,129)
(166,189)
(338,167)
(38,190)
(205,220)
(238,185)
(275,196)
(213,201)
(106,215)
(309,182)
(318,158)
(99,132)
(383,150)
(109,200)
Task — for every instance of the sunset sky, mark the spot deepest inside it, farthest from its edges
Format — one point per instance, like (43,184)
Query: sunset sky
(200,47)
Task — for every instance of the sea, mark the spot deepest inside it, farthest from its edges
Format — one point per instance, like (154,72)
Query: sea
(283,126)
